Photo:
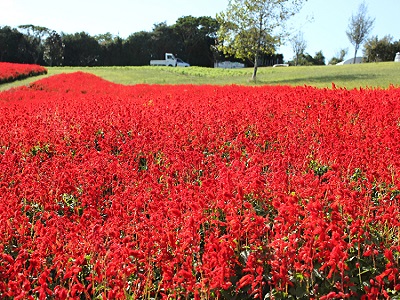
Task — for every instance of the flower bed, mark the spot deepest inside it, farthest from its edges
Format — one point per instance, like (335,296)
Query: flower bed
(198,191)
(12,71)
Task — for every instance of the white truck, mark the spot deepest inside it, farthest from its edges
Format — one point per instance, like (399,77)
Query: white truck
(170,61)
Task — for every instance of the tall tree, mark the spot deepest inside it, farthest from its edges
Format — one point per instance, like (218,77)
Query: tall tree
(196,35)
(138,49)
(319,59)
(299,45)
(359,28)
(12,45)
(380,49)
(35,35)
(111,49)
(164,40)
(81,49)
(342,54)
(249,28)
(53,49)
(339,57)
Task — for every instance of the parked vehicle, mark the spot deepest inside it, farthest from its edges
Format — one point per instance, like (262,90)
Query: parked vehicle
(170,61)
(181,63)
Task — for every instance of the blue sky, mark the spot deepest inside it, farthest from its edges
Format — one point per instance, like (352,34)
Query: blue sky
(323,22)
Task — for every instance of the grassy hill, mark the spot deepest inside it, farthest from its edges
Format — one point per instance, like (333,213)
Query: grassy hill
(348,76)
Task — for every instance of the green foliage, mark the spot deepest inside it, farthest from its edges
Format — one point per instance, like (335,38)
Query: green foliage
(41,149)
(53,49)
(308,60)
(318,168)
(339,57)
(81,49)
(13,45)
(111,50)
(249,28)
(384,49)
(196,35)
(163,39)
(319,59)
(191,38)
(35,35)
(137,49)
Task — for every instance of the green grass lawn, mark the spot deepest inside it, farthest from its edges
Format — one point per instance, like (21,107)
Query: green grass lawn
(348,76)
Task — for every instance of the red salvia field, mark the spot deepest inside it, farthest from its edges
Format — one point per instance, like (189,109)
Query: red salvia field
(198,192)
(12,71)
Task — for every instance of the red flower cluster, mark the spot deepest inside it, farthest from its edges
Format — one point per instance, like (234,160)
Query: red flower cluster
(198,191)
(12,71)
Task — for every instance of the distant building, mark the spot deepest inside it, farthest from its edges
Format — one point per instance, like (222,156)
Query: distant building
(228,65)
(349,61)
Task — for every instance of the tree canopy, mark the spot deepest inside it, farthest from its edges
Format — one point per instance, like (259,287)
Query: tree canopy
(299,45)
(383,49)
(360,26)
(191,38)
(249,28)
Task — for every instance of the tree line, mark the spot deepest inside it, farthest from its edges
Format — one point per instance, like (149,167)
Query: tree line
(359,27)
(193,39)
(246,32)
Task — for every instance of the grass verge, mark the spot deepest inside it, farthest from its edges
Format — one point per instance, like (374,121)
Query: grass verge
(349,76)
